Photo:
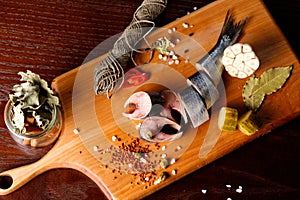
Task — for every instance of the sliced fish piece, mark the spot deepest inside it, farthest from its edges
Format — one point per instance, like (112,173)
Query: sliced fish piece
(205,87)
(138,105)
(194,106)
(159,129)
(173,107)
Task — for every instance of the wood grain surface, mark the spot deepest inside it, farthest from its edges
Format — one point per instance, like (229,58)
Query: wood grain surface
(53,37)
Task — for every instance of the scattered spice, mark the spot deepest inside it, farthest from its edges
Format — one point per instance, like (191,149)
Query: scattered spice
(162,177)
(164,163)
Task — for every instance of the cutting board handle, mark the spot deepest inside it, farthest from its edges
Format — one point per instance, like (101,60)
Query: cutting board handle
(13,179)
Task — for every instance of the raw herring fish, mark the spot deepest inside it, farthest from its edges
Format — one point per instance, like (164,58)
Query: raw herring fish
(138,105)
(210,69)
(165,121)
(159,125)
(160,129)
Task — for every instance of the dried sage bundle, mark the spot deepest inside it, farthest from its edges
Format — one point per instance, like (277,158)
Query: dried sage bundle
(111,69)
(32,99)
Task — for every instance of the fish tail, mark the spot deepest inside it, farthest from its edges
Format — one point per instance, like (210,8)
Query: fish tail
(211,62)
(231,29)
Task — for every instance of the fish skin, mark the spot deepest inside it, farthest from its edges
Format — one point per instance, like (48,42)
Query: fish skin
(211,63)
(212,66)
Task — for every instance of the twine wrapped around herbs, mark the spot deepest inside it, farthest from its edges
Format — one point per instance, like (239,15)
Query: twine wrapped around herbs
(111,69)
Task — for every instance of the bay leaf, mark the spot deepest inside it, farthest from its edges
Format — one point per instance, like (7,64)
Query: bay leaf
(255,89)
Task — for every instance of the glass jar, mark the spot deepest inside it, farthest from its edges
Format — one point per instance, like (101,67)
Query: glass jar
(38,139)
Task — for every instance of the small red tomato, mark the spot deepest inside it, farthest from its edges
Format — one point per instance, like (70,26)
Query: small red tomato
(134,77)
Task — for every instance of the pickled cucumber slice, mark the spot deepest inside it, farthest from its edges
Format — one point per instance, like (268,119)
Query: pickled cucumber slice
(228,118)
(248,123)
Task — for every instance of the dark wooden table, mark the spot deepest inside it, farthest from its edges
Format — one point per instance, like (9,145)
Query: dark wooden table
(53,37)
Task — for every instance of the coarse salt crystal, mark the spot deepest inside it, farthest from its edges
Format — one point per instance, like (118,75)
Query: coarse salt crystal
(239,190)
(173,160)
(143,160)
(138,126)
(160,56)
(185,25)
(156,182)
(147,178)
(96,148)
(195,8)
(163,155)
(174,57)
(164,147)
(76,131)
(174,29)
(177,62)
(165,58)
(204,191)
(114,138)
(170,31)
(174,171)
(229,198)
(228,186)
(171,62)
(178,148)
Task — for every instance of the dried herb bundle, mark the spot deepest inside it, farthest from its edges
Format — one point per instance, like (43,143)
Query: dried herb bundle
(32,99)
(111,69)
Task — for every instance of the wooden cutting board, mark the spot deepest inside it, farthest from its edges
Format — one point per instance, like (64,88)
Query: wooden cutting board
(98,118)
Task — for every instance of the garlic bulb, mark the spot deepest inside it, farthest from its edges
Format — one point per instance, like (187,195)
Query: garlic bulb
(240,60)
